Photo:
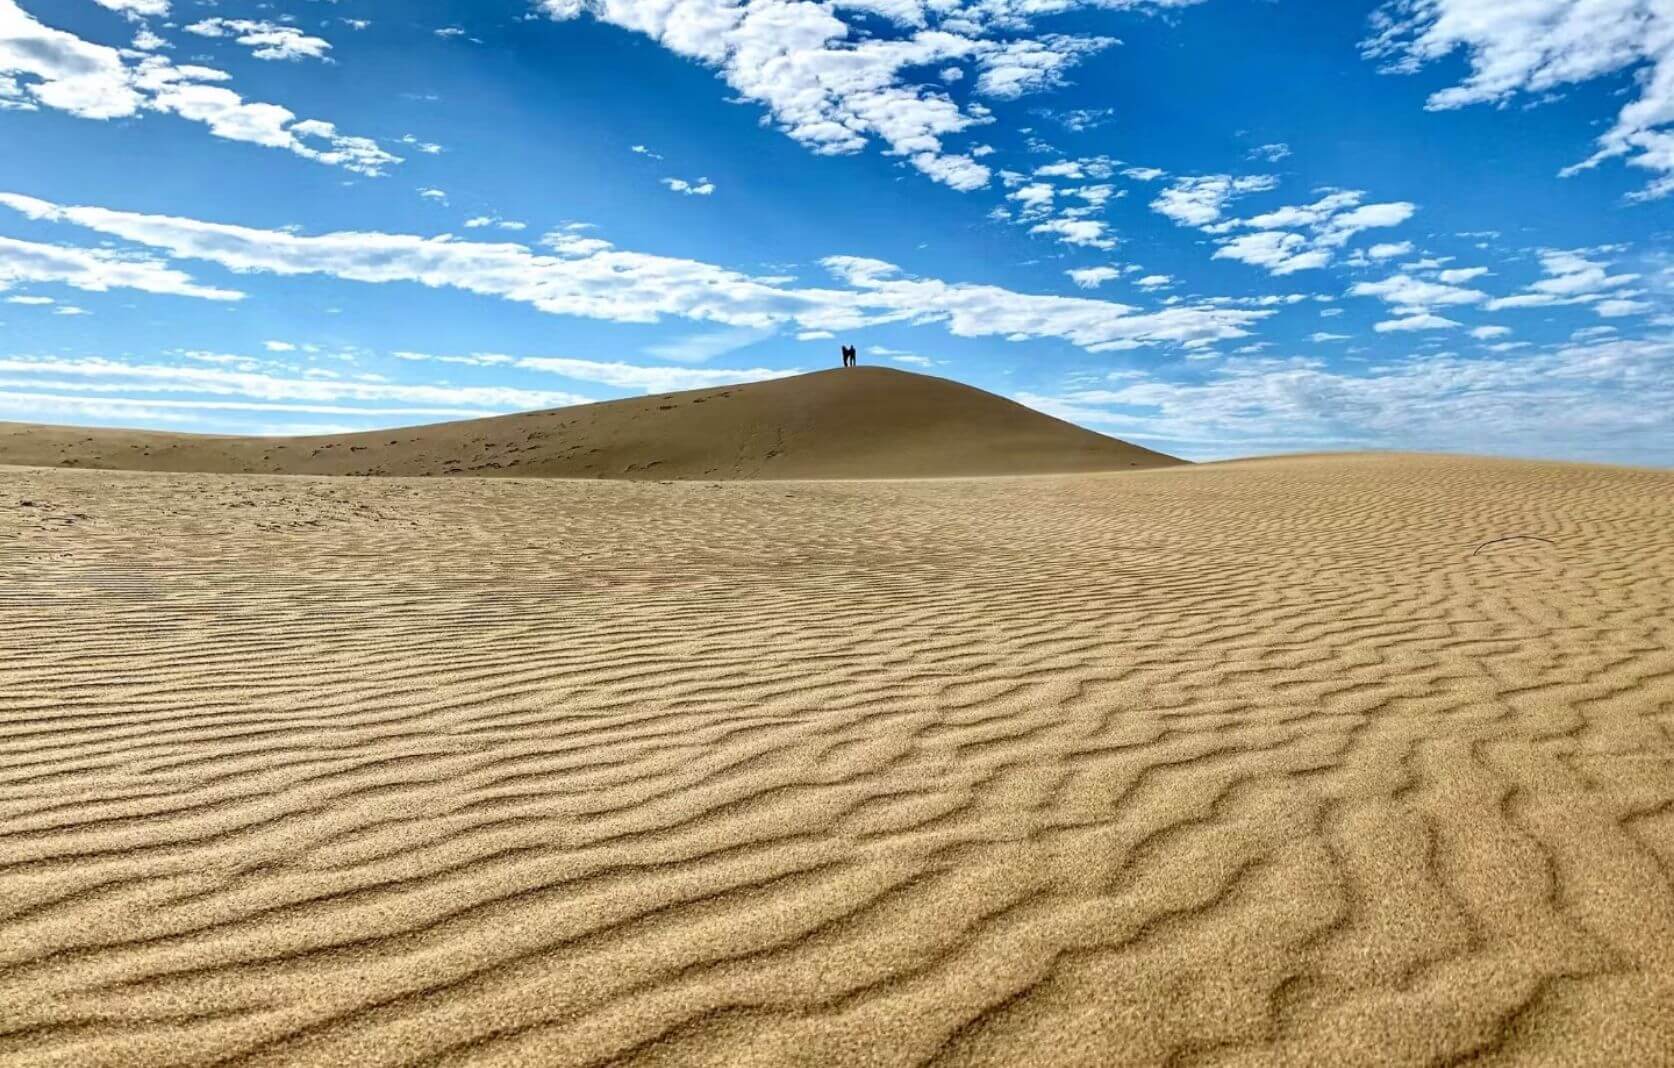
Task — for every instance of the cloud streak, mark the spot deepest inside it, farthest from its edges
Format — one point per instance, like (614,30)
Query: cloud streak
(589,277)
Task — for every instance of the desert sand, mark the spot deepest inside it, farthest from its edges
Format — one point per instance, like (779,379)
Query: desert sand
(1319,760)
(866,422)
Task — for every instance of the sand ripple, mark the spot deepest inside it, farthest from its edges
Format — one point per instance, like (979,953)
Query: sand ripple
(1330,760)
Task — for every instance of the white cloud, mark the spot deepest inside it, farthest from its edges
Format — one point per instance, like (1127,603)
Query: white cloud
(586,276)
(1098,326)
(1078,120)
(834,87)
(1093,277)
(1337,230)
(1616,307)
(45,67)
(1459,275)
(1389,250)
(647,378)
(1154,281)
(1280,252)
(1488,333)
(698,348)
(1330,221)
(266,40)
(147,41)
(1405,291)
(1088,233)
(1537,46)
(99,375)
(1199,201)
(1573,277)
(700,188)
(1068,213)
(97,270)
(1601,400)
(1416,321)
(134,8)
(1270,153)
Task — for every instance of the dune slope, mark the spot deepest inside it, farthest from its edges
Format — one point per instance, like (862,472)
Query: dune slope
(864,422)
(1360,760)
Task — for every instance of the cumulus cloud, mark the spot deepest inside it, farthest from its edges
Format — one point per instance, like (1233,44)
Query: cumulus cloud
(1414,300)
(133,8)
(1574,277)
(700,188)
(266,40)
(1068,212)
(1537,46)
(836,86)
(1199,201)
(587,276)
(41,66)
(1093,277)
(1327,225)
(1279,252)
(1416,321)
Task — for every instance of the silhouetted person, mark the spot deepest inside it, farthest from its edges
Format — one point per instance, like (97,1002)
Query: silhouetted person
(850,356)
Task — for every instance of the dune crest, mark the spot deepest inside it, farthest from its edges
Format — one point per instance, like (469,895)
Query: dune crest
(863,422)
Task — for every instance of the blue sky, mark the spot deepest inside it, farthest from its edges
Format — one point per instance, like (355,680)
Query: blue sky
(1215,227)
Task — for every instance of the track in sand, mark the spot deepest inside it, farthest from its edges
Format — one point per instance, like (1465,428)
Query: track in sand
(863,422)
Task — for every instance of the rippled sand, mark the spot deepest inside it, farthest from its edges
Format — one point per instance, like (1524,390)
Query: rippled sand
(1323,760)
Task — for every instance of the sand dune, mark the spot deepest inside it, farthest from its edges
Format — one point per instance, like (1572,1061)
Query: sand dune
(1293,761)
(865,422)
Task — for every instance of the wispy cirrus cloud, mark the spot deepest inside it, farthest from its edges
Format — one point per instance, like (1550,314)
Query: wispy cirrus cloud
(1590,400)
(97,270)
(587,276)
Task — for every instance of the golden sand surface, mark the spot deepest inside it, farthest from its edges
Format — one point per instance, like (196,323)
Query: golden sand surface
(862,422)
(1332,760)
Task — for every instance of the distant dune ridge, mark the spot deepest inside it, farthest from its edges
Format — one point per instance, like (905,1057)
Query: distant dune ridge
(863,422)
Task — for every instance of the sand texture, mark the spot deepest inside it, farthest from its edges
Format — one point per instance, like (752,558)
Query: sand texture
(864,422)
(1294,761)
